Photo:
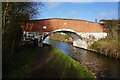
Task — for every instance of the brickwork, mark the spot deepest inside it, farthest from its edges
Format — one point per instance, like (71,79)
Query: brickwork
(48,25)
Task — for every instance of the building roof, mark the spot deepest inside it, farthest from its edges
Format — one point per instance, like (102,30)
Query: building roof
(103,21)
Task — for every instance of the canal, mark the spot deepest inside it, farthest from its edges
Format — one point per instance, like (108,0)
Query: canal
(101,66)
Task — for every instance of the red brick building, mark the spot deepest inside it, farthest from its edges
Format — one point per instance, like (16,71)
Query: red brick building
(48,25)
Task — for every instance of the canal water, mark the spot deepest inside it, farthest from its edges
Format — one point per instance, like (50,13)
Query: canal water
(101,66)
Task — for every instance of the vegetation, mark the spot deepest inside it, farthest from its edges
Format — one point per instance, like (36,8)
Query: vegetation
(66,67)
(13,13)
(109,46)
(12,16)
(55,64)
(61,37)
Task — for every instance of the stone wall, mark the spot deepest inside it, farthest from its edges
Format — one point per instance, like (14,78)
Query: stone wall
(90,38)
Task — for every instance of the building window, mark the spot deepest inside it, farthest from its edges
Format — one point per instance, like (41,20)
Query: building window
(44,27)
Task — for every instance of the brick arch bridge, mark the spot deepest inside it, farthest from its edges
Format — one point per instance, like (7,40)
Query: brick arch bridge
(83,32)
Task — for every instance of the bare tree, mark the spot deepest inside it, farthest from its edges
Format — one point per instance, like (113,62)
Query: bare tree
(12,14)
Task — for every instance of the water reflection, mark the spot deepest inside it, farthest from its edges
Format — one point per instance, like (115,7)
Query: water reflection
(64,47)
(100,65)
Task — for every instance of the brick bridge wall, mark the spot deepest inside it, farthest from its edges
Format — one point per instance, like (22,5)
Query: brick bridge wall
(53,24)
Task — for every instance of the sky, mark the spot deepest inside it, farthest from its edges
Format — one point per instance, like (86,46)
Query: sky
(79,10)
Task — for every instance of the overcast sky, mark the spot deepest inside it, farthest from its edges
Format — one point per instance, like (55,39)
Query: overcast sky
(80,10)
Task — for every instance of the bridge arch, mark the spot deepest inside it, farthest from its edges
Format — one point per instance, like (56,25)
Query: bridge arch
(69,32)
(78,41)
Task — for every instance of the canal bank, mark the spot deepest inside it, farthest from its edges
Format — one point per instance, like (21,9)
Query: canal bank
(46,62)
(59,65)
(103,67)
(107,47)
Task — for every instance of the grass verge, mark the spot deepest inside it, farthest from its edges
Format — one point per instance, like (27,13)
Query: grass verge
(66,67)
(58,65)
(107,47)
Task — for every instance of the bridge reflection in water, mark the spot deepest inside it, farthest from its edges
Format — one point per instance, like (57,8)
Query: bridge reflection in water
(102,66)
